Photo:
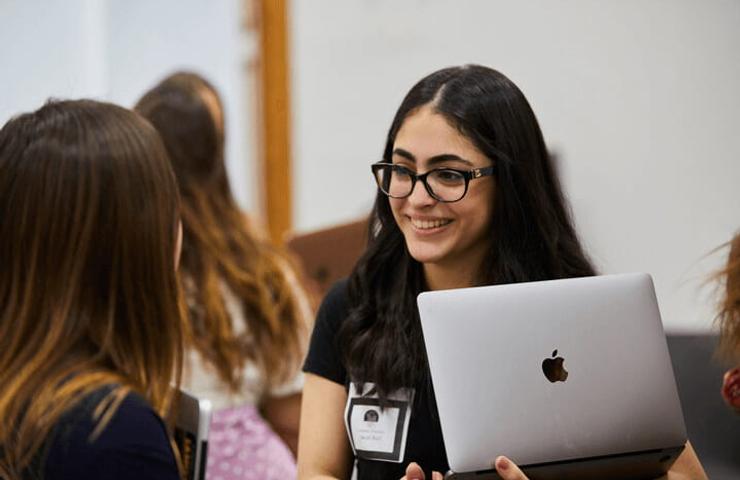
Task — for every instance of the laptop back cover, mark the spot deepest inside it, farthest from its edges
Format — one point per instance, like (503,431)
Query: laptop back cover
(487,347)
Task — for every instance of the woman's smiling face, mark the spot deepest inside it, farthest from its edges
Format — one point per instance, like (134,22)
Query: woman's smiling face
(445,234)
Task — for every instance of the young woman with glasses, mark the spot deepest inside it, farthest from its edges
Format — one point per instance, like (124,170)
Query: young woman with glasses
(90,323)
(467,196)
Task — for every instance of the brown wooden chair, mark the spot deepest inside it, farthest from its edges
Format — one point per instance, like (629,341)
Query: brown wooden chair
(328,255)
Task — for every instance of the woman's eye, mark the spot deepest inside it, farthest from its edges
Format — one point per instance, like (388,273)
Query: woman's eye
(402,169)
(449,175)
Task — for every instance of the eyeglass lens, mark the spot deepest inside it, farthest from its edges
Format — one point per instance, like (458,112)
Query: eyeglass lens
(398,182)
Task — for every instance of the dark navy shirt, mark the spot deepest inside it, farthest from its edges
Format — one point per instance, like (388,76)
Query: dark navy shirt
(133,445)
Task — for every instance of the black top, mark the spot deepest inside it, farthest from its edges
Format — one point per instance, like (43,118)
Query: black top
(424,444)
(134,444)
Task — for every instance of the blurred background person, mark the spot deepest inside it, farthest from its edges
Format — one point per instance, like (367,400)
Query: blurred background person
(90,324)
(247,311)
(729,324)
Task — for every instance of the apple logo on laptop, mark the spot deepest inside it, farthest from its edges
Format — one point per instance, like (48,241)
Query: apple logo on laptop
(554,369)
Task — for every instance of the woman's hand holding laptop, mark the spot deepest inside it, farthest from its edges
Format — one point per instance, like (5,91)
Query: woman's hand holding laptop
(686,467)
(506,469)
(414,472)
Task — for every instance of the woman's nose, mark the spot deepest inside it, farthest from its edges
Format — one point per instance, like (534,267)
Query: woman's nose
(420,197)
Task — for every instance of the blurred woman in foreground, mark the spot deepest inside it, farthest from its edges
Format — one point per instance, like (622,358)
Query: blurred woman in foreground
(90,324)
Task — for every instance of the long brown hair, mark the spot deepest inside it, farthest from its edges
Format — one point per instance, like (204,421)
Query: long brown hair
(220,246)
(88,290)
(728,317)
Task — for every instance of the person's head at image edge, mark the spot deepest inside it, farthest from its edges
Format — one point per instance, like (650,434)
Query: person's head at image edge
(220,246)
(88,289)
(512,224)
(728,320)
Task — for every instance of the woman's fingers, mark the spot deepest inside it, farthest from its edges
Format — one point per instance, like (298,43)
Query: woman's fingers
(414,472)
(507,470)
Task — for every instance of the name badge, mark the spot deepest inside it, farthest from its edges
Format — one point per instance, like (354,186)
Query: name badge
(375,433)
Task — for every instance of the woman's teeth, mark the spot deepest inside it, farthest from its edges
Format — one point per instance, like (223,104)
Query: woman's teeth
(428,224)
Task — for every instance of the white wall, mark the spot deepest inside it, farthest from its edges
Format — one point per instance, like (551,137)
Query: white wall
(639,98)
(48,50)
(116,49)
(148,40)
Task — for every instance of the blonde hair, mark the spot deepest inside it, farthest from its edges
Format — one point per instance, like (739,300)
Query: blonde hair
(728,318)
(88,290)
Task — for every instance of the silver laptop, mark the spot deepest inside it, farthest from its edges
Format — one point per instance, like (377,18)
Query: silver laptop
(568,378)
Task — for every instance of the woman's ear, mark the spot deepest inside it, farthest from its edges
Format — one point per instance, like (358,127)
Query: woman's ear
(178,244)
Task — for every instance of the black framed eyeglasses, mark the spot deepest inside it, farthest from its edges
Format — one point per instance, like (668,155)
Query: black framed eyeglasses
(443,184)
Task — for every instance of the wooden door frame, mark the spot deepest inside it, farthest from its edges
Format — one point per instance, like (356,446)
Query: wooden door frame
(274,115)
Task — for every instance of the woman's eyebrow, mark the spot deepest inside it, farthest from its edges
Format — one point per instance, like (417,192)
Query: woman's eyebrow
(435,160)
(447,157)
(403,153)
